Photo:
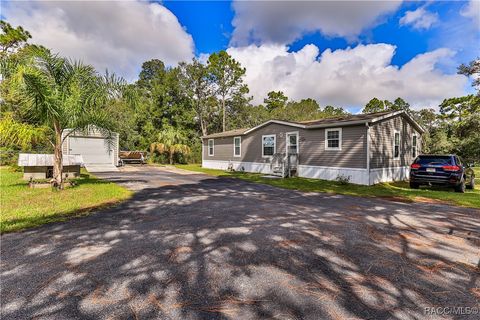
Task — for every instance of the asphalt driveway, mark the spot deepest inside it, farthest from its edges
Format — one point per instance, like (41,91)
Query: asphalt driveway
(188,246)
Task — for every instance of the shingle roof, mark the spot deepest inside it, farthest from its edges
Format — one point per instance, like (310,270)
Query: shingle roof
(230,133)
(340,119)
(325,122)
(46,160)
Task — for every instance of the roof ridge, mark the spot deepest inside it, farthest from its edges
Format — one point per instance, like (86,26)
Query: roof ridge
(347,116)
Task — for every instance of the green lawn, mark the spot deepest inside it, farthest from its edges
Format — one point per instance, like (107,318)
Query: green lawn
(23,207)
(397,190)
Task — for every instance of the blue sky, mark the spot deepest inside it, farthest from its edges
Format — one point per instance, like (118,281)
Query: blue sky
(210,25)
(337,52)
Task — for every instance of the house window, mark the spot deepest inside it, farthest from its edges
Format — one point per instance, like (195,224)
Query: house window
(414,146)
(268,145)
(211,146)
(237,146)
(333,139)
(292,142)
(396,145)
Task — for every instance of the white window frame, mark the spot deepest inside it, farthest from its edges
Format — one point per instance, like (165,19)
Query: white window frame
(213,147)
(339,138)
(287,141)
(240,145)
(399,145)
(415,146)
(274,144)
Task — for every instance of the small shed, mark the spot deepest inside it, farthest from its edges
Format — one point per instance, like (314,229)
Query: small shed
(40,166)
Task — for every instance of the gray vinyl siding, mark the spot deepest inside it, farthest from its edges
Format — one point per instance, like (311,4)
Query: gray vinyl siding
(223,149)
(352,155)
(251,145)
(311,146)
(381,143)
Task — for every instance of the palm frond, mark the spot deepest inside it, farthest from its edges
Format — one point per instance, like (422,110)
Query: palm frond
(19,135)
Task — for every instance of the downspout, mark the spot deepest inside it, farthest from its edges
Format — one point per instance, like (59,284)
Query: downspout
(368,152)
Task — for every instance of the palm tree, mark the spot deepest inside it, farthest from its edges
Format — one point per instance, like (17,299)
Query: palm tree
(60,94)
(170,141)
(14,134)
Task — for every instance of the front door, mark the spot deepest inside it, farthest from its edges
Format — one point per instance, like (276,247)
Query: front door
(292,143)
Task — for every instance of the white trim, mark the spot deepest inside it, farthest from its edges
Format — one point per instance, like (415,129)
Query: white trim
(415,138)
(296,125)
(240,145)
(368,151)
(274,144)
(116,155)
(389,115)
(399,145)
(339,138)
(287,141)
(213,147)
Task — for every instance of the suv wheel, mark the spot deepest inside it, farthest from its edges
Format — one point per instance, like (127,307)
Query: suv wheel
(461,187)
(414,185)
(471,185)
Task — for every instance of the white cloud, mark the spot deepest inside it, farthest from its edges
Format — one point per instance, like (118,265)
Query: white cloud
(419,18)
(349,77)
(118,35)
(285,21)
(472,10)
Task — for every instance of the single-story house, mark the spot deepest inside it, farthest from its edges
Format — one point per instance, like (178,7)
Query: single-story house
(40,166)
(366,148)
(98,152)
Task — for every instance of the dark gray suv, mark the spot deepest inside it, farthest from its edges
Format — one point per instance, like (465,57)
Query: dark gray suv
(446,170)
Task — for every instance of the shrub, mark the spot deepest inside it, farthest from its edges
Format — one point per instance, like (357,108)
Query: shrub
(343,179)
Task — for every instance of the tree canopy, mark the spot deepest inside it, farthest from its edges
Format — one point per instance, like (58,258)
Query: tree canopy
(172,107)
(56,93)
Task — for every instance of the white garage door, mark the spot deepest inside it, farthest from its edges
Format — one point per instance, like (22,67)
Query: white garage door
(93,150)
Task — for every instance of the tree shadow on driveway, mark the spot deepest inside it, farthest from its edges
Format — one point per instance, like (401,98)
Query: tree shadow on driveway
(229,249)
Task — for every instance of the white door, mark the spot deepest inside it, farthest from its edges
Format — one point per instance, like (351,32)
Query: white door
(292,142)
(93,150)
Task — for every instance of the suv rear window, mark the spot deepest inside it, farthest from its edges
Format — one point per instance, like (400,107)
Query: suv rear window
(434,160)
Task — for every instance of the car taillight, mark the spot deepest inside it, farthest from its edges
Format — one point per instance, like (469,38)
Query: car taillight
(451,168)
(415,166)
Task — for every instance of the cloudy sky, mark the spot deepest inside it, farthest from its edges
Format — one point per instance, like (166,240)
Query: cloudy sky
(339,52)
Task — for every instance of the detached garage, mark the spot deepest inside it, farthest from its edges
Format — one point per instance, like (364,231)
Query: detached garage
(98,153)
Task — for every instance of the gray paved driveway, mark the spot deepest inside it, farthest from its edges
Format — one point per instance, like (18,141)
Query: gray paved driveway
(195,247)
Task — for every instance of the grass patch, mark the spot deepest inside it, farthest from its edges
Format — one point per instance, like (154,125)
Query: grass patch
(395,190)
(23,207)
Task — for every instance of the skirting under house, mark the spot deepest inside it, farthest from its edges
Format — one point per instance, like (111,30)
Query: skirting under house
(355,175)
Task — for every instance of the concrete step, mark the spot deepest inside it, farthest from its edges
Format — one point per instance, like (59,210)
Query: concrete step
(100,167)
